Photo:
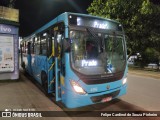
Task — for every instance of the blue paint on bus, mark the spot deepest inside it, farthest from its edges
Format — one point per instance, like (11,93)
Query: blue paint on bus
(58,56)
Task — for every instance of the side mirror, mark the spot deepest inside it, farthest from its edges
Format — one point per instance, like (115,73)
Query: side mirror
(67,45)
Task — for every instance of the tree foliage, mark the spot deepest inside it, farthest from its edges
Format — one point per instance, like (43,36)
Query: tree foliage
(140,20)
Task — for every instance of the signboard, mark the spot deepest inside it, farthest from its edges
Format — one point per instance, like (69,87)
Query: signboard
(6,54)
(7,29)
(94,22)
(9,14)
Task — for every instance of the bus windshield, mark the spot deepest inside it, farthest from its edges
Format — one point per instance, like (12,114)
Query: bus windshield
(97,53)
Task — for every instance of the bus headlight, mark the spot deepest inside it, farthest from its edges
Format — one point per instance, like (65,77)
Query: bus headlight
(77,87)
(124,81)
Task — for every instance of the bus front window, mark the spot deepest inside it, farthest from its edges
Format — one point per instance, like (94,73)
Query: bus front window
(92,54)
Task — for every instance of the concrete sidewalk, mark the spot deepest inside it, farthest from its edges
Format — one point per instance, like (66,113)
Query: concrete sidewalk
(24,94)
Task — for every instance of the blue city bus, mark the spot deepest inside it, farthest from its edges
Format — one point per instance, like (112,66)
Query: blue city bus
(79,58)
(9,62)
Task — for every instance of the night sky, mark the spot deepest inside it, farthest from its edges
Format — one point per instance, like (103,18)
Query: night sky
(36,13)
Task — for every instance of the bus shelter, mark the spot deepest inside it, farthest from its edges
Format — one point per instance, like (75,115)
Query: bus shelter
(9,67)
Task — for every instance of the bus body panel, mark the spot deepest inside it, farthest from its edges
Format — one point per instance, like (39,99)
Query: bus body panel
(36,68)
(72,99)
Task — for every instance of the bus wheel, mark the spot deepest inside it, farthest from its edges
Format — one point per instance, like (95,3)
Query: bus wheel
(44,79)
(24,68)
(23,65)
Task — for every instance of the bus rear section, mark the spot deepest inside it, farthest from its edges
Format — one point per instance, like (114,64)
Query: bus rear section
(9,67)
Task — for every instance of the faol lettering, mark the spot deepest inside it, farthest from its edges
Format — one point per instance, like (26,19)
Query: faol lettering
(5,29)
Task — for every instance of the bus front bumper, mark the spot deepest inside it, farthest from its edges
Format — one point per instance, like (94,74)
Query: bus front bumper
(74,100)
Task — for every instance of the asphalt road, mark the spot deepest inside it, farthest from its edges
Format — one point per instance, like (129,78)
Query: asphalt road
(143,95)
(143,92)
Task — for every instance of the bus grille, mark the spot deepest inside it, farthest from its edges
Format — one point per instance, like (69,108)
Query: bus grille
(97,79)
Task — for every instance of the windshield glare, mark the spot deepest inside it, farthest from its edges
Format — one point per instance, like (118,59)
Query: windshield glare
(97,53)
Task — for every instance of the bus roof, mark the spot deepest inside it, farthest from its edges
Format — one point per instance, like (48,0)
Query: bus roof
(92,16)
(62,17)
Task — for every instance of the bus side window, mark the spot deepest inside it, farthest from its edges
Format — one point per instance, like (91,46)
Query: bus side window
(37,46)
(43,43)
(35,40)
(32,45)
(28,48)
(24,47)
(60,38)
(51,45)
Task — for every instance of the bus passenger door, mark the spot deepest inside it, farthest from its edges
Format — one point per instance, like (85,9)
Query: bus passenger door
(29,69)
(51,62)
(36,62)
(59,36)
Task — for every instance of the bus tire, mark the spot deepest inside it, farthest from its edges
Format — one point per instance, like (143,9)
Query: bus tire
(24,68)
(23,65)
(44,79)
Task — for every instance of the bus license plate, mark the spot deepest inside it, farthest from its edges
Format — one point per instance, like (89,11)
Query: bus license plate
(106,99)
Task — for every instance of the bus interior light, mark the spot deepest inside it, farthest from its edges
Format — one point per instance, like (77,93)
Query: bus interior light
(77,87)
(78,21)
(124,80)
(44,34)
